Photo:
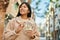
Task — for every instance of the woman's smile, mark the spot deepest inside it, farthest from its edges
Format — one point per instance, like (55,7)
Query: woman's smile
(24,9)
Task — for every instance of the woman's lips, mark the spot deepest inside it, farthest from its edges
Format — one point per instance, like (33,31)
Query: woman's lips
(22,10)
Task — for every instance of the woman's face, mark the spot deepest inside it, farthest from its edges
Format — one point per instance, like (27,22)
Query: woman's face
(24,9)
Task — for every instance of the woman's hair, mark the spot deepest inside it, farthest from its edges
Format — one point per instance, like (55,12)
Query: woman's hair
(29,8)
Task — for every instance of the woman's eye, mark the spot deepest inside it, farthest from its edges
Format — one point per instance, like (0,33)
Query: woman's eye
(24,6)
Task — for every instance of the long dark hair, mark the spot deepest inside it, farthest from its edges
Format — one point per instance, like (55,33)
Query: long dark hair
(29,8)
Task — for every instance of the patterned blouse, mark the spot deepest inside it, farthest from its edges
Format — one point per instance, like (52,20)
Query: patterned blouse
(10,34)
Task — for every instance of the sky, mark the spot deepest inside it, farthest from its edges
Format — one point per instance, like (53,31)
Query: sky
(39,9)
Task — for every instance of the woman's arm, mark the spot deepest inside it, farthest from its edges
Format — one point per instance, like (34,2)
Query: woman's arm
(33,33)
(36,32)
(9,32)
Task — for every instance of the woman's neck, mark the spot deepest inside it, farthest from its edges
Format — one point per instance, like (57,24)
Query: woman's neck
(24,17)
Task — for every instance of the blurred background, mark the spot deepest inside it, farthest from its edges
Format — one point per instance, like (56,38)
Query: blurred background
(46,14)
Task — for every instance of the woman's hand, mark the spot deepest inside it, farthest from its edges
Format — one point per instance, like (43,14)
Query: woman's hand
(20,27)
(30,33)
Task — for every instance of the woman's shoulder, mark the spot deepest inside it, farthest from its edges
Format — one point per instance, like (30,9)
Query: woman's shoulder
(13,19)
(31,20)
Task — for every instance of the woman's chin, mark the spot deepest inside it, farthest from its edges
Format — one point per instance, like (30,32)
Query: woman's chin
(23,14)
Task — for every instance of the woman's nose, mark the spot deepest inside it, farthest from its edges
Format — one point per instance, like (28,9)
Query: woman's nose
(21,8)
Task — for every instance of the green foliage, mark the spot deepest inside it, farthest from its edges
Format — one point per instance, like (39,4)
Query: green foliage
(51,1)
(7,18)
(57,0)
(16,5)
(46,13)
(58,5)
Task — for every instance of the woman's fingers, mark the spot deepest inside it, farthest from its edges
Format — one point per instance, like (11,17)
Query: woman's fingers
(29,32)
(20,27)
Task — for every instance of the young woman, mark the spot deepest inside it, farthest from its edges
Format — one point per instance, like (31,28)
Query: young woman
(23,26)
